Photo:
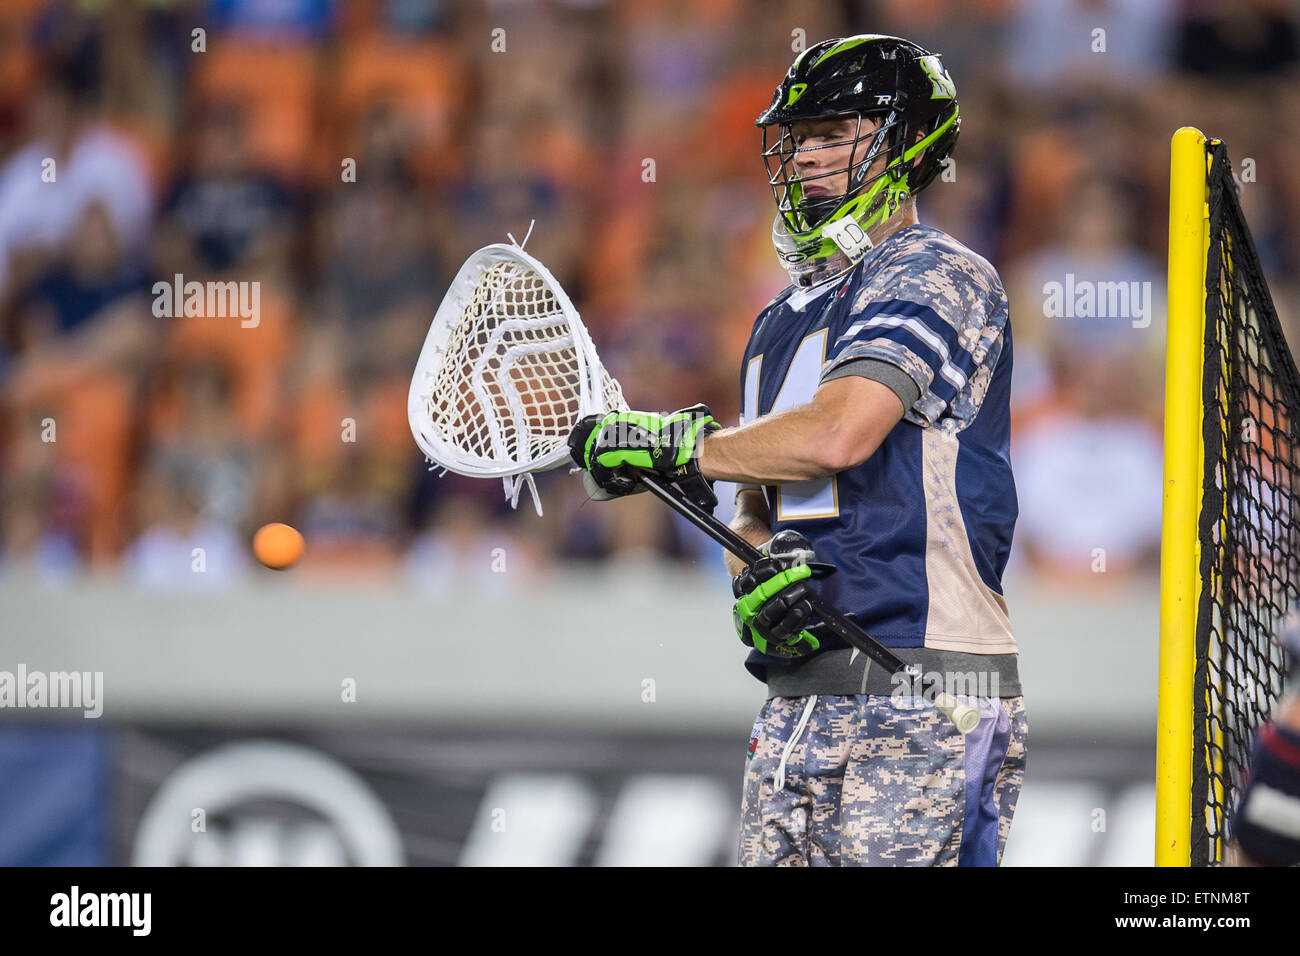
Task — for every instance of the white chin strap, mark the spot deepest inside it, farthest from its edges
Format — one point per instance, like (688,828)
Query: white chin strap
(851,241)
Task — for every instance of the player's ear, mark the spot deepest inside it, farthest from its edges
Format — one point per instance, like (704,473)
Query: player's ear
(920,135)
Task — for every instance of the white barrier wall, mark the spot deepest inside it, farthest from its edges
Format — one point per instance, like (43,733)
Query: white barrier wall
(642,648)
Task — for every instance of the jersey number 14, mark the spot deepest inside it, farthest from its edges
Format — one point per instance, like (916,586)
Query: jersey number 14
(816,497)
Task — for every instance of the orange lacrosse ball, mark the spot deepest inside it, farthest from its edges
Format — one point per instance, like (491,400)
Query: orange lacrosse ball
(277,545)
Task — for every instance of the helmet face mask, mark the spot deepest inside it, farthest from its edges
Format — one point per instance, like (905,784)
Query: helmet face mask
(789,182)
(867,79)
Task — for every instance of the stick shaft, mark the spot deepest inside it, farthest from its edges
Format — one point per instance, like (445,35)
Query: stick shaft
(710,525)
(742,549)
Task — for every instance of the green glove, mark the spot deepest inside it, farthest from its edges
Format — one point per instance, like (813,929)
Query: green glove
(616,445)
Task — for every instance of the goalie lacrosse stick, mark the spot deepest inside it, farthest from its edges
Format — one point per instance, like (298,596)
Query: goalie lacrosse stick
(506,372)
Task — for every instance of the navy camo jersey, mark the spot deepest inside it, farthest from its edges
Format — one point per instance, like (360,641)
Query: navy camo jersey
(921,531)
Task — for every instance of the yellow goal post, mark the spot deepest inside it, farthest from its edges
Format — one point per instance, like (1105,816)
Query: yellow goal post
(1183,471)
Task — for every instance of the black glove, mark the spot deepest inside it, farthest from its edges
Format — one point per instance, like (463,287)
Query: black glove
(773,613)
(601,482)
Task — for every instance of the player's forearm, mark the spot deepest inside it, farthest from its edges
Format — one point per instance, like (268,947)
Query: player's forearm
(792,446)
(753,529)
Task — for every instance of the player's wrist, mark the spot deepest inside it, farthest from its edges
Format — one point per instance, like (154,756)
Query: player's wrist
(705,451)
(755,531)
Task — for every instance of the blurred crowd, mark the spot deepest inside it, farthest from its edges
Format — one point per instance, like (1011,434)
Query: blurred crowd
(348,156)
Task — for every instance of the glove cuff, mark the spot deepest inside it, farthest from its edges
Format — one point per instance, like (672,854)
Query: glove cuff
(688,476)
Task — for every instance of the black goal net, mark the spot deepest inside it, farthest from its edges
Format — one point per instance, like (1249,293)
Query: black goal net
(1250,562)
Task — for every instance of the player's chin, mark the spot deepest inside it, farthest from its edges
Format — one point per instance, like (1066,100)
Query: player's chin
(817,207)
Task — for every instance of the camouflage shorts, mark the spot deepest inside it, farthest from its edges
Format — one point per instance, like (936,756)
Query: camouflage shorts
(870,783)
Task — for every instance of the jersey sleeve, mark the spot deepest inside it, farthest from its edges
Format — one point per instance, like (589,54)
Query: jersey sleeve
(924,326)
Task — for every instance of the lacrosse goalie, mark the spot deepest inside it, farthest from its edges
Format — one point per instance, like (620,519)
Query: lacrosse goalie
(874,442)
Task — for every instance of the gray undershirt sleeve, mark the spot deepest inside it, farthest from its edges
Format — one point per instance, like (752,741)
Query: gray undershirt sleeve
(883,372)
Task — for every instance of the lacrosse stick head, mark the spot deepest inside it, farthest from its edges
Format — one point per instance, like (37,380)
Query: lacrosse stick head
(506,371)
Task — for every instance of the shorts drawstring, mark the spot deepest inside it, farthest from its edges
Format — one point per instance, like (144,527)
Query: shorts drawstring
(778,782)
